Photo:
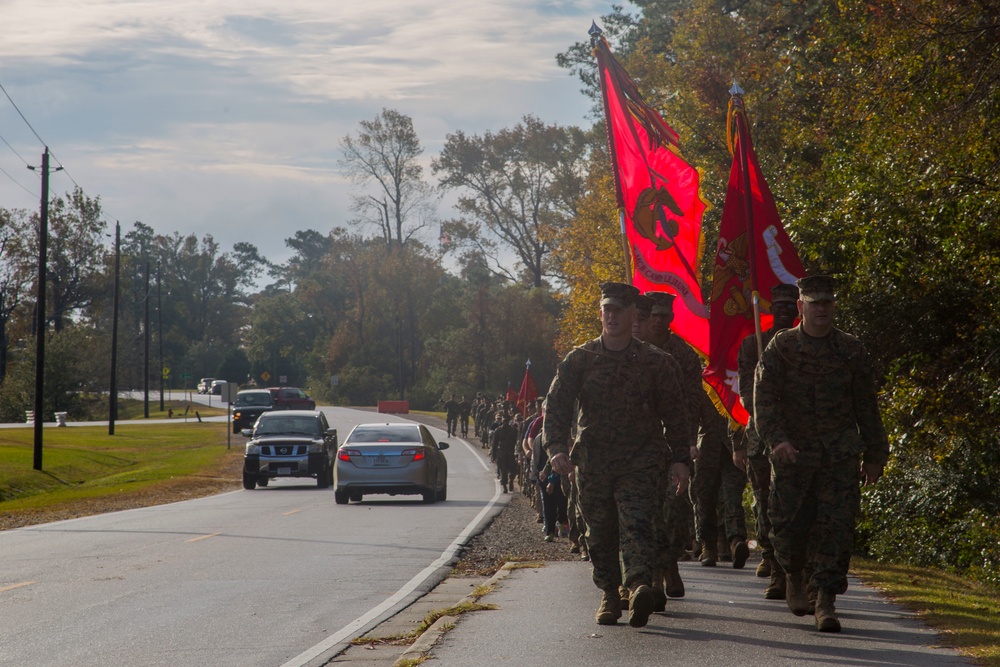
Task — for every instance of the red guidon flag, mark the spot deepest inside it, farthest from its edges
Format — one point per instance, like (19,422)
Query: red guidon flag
(754,252)
(511,394)
(658,198)
(528,393)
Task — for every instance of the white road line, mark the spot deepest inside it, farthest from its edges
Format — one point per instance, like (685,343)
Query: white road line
(349,630)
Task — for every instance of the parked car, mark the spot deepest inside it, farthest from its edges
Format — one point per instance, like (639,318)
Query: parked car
(289,443)
(205,385)
(248,406)
(393,459)
(216,387)
(291,398)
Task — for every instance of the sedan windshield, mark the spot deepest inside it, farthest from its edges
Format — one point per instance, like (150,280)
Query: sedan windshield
(385,434)
(253,399)
(288,426)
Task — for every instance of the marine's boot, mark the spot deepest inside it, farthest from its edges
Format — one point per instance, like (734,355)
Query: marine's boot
(764,567)
(659,597)
(674,585)
(795,593)
(610,610)
(826,617)
(623,596)
(811,596)
(709,555)
(740,552)
(640,606)
(724,555)
(776,587)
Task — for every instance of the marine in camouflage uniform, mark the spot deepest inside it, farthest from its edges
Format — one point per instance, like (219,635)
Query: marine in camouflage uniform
(503,447)
(748,451)
(632,423)
(673,524)
(816,412)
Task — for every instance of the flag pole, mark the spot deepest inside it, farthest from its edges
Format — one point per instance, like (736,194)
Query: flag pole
(596,40)
(737,115)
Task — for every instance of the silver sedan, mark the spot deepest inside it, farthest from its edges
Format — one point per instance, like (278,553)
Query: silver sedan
(395,459)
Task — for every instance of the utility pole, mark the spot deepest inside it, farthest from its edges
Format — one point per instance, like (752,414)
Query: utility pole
(43,252)
(145,356)
(113,407)
(159,329)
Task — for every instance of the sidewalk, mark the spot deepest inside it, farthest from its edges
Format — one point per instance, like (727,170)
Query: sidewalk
(544,616)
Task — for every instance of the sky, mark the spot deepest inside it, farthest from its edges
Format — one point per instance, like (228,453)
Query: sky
(225,117)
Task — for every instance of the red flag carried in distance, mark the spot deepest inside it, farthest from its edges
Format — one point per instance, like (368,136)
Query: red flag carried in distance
(754,253)
(528,393)
(658,198)
(511,394)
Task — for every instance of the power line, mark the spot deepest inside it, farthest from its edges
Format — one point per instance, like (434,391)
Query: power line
(15,182)
(21,115)
(13,151)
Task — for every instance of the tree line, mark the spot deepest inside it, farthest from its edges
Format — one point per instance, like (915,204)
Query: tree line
(873,122)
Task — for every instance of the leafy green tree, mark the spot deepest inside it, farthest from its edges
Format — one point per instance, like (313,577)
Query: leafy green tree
(519,188)
(16,275)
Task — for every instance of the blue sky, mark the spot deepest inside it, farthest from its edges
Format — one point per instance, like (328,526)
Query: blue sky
(225,117)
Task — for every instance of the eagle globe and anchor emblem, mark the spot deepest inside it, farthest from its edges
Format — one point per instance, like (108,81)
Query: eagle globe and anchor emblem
(649,217)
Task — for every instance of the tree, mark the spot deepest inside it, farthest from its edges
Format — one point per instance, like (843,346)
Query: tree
(521,184)
(76,251)
(384,154)
(16,275)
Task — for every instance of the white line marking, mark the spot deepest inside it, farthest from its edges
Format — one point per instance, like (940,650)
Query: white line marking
(354,626)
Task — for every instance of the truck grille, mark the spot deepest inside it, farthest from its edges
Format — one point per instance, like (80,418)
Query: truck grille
(284,450)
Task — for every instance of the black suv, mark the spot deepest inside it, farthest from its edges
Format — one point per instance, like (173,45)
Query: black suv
(290,443)
(249,405)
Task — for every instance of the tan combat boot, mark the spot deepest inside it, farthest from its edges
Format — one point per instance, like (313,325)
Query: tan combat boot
(610,610)
(776,587)
(764,567)
(674,585)
(623,596)
(709,555)
(640,606)
(659,597)
(795,593)
(826,618)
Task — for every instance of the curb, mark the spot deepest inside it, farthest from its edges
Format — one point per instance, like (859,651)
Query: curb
(422,647)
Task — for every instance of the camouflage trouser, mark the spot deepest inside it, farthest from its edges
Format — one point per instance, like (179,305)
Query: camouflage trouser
(759,472)
(717,492)
(817,503)
(507,469)
(618,508)
(576,525)
(672,525)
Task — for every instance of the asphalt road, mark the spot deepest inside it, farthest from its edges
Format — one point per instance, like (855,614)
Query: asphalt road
(275,576)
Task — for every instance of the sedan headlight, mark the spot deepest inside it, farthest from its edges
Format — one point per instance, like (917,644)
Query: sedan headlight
(253,449)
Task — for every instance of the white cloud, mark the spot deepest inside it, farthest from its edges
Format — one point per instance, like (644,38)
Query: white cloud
(218,115)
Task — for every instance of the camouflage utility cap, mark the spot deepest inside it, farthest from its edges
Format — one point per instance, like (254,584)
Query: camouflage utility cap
(618,294)
(643,304)
(817,288)
(784,293)
(663,303)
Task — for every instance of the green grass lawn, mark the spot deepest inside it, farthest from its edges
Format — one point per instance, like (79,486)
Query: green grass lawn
(85,462)
(965,612)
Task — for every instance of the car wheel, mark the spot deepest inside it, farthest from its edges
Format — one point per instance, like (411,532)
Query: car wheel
(340,497)
(443,493)
(323,478)
(429,496)
(356,497)
(249,482)
(262,481)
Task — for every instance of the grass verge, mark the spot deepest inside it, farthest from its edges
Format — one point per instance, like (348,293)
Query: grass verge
(966,613)
(86,471)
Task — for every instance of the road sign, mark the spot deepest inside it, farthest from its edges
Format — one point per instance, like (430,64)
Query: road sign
(166,373)
(265,376)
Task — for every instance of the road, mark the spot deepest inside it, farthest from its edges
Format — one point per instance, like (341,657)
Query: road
(275,576)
